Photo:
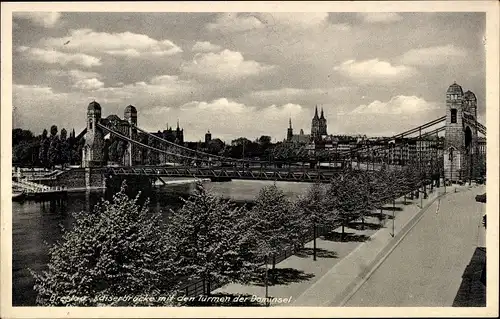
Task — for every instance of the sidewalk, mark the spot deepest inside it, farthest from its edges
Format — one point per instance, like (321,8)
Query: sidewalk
(340,266)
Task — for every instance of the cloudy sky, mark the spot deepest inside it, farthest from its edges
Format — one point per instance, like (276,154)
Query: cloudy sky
(245,74)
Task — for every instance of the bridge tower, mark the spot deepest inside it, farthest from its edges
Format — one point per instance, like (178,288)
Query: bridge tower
(131,154)
(93,150)
(460,137)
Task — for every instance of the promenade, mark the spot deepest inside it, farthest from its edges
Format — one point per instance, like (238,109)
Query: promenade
(341,268)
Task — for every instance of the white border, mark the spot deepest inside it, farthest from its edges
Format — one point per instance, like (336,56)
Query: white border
(492,99)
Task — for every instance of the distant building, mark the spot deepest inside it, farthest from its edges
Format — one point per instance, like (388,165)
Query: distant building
(174,136)
(318,125)
(300,138)
(208,137)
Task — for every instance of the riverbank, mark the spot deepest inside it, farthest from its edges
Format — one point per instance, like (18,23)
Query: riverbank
(164,183)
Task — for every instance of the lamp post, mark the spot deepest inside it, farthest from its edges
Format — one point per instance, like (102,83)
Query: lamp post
(267,285)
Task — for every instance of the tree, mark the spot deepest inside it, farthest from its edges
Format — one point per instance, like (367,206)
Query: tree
(273,221)
(65,151)
(53,153)
(25,147)
(20,135)
(344,197)
(209,240)
(314,211)
(25,152)
(369,192)
(43,150)
(265,140)
(215,146)
(116,250)
(53,130)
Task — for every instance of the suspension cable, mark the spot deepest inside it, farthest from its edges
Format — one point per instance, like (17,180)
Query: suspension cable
(201,152)
(144,145)
(366,147)
(400,135)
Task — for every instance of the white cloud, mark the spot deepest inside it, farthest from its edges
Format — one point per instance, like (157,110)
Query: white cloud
(33,102)
(388,118)
(227,119)
(75,75)
(159,90)
(205,46)
(89,84)
(294,19)
(299,96)
(401,104)
(226,65)
(57,57)
(374,70)
(434,55)
(44,19)
(120,44)
(235,22)
(380,17)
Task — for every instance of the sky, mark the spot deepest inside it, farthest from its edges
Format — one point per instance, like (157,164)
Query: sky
(245,74)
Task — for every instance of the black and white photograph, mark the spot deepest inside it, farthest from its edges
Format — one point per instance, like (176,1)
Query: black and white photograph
(249,158)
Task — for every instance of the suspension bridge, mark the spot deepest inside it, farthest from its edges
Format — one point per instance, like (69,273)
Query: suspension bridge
(147,154)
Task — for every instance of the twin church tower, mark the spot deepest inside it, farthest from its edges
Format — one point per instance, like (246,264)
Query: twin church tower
(318,127)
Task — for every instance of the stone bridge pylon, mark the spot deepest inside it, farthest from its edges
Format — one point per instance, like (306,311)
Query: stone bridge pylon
(94,148)
(461,140)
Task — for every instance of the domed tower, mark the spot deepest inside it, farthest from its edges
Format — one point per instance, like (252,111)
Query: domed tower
(315,124)
(470,103)
(459,136)
(131,154)
(470,131)
(322,124)
(93,150)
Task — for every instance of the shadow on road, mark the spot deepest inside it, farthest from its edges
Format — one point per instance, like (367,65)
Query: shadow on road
(402,202)
(472,291)
(280,276)
(337,237)
(390,208)
(320,253)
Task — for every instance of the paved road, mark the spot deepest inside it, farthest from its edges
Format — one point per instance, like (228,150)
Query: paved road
(426,268)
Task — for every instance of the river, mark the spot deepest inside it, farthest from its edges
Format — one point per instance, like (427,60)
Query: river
(36,225)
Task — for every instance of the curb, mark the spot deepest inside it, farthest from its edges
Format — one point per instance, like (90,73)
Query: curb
(384,253)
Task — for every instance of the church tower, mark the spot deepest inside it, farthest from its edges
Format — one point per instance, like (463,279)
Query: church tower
(315,125)
(289,132)
(322,124)
(208,137)
(93,150)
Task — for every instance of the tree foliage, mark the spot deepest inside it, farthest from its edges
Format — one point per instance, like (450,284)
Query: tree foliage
(209,239)
(345,196)
(116,250)
(65,148)
(54,154)
(273,220)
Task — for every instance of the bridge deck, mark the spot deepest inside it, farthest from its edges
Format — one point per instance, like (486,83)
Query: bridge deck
(251,173)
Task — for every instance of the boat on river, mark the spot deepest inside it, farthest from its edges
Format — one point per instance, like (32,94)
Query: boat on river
(18,195)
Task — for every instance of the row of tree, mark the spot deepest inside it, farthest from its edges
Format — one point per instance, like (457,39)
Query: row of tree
(46,150)
(121,248)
